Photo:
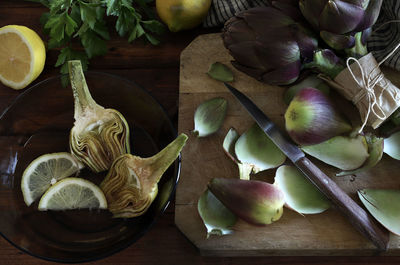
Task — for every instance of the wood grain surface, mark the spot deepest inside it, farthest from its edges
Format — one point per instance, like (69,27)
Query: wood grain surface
(156,69)
(329,233)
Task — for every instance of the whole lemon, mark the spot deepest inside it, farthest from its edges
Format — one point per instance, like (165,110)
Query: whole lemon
(182,14)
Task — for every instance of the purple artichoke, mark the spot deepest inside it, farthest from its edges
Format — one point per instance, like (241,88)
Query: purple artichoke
(271,43)
(343,24)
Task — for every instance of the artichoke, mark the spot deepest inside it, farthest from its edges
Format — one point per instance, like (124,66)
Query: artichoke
(99,135)
(343,24)
(270,43)
(131,183)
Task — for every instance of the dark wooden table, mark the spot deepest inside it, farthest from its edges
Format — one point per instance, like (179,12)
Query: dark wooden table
(156,69)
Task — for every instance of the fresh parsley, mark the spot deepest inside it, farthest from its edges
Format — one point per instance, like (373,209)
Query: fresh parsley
(83,21)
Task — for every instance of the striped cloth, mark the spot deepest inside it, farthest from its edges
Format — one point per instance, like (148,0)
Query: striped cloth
(386,34)
(381,43)
(222,10)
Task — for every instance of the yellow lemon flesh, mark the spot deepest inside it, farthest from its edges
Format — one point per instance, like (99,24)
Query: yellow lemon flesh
(22,56)
(182,14)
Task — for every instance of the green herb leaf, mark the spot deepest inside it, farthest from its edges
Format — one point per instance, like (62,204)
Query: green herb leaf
(70,25)
(58,24)
(88,14)
(151,39)
(93,44)
(68,20)
(154,26)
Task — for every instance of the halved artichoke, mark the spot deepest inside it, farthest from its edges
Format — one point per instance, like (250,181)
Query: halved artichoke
(99,135)
(131,184)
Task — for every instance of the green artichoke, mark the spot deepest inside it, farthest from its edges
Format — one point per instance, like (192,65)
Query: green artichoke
(99,135)
(270,43)
(131,184)
(343,24)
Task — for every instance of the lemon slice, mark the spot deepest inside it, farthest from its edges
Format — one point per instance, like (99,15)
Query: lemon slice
(22,56)
(73,193)
(45,171)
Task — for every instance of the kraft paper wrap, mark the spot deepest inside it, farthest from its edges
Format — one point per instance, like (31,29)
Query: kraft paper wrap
(387,95)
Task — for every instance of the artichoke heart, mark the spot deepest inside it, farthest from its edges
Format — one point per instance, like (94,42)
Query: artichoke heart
(99,135)
(131,183)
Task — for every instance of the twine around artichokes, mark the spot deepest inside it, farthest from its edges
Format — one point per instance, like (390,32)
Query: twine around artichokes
(367,84)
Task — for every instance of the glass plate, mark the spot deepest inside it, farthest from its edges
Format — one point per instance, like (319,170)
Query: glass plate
(39,122)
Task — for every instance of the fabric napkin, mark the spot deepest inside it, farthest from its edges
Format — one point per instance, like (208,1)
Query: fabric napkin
(221,10)
(386,34)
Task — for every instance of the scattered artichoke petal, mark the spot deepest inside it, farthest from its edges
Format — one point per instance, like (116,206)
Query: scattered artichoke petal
(255,148)
(209,116)
(220,72)
(229,144)
(375,149)
(392,146)
(343,152)
(384,205)
(216,217)
(300,194)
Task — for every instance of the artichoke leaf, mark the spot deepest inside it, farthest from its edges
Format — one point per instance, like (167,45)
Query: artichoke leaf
(256,149)
(343,152)
(300,194)
(392,146)
(375,150)
(216,217)
(384,205)
(230,139)
(220,72)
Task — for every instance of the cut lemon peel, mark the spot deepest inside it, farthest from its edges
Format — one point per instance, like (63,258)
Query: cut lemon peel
(13,40)
(73,193)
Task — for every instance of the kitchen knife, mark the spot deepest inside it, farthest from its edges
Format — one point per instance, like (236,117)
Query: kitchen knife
(362,221)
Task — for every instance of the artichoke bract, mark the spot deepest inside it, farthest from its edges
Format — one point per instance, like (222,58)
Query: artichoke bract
(343,24)
(131,183)
(269,43)
(99,135)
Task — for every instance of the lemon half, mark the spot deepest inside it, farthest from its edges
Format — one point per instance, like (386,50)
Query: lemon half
(22,56)
(45,171)
(73,193)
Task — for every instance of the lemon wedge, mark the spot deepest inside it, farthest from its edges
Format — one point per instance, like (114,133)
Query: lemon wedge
(22,56)
(45,171)
(73,193)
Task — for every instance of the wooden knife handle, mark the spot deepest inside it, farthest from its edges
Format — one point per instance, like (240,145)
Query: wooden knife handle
(357,215)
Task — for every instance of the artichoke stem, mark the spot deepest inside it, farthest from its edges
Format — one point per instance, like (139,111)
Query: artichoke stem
(82,97)
(359,49)
(163,159)
(244,171)
(326,62)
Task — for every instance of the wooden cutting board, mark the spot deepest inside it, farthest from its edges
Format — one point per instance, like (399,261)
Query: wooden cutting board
(328,233)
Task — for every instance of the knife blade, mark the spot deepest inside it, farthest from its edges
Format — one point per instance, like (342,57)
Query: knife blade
(359,218)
